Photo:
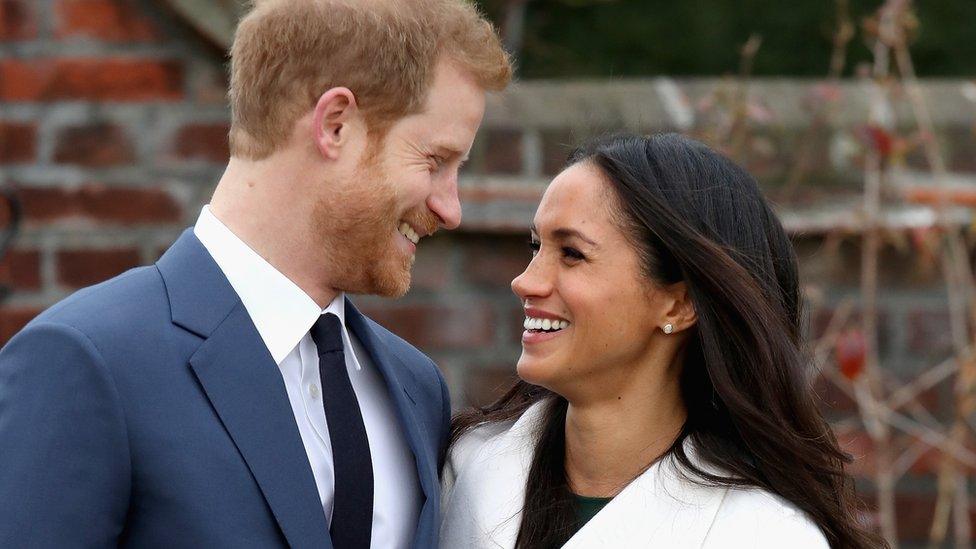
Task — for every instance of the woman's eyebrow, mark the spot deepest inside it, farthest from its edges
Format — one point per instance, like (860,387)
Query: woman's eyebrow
(564,233)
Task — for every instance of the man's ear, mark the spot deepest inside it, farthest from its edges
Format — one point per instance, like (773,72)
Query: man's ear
(331,119)
(681,314)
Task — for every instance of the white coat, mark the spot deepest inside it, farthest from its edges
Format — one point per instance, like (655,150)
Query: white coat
(484,491)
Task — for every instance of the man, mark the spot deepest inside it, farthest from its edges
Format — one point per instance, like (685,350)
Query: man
(230,395)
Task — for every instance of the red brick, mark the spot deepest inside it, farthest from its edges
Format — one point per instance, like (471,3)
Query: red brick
(913,515)
(493,262)
(503,151)
(21,270)
(483,385)
(78,268)
(17,21)
(939,399)
(125,206)
(4,212)
(13,319)
(437,327)
(97,145)
(18,142)
(110,79)
(107,20)
(203,142)
(46,204)
(430,273)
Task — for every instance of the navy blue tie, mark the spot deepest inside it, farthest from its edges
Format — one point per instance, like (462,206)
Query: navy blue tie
(352,511)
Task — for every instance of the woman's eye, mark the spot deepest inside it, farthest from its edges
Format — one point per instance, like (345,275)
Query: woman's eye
(573,254)
(534,246)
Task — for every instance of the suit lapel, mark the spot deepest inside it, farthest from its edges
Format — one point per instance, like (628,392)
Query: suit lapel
(402,386)
(245,388)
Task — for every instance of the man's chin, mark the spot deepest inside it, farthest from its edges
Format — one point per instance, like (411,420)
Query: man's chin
(390,282)
(393,290)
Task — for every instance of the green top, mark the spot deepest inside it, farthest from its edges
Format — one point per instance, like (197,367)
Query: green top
(587,508)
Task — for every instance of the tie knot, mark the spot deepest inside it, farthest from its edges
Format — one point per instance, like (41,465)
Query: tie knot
(327,333)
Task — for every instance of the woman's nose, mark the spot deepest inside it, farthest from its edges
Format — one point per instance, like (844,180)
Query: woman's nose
(533,282)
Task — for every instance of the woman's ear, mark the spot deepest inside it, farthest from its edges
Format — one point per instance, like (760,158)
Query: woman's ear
(331,119)
(681,314)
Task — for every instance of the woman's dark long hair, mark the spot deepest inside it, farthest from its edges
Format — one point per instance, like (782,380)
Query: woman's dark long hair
(695,216)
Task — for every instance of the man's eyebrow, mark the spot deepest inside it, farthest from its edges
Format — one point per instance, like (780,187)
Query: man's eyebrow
(449,151)
(564,233)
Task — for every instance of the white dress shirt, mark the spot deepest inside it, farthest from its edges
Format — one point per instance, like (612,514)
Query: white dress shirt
(283,315)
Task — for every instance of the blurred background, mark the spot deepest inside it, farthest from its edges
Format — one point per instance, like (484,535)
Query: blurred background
(858,117)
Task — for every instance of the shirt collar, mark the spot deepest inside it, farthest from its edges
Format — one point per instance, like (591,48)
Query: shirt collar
(281,311)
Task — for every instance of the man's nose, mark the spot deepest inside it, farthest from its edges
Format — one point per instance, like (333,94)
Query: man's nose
(446,204)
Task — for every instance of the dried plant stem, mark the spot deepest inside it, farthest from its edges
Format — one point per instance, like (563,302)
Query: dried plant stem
(738,129)
(880,434)
(952,485)
(876,422)
(828,340)
(824,110)
(930,378)
(842,37)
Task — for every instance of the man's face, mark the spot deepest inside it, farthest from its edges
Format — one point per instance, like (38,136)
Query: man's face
(405,188)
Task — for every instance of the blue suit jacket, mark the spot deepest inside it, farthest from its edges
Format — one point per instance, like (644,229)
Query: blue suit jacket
(146,411)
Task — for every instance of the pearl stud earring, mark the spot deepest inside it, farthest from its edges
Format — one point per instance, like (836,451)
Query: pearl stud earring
(668,328)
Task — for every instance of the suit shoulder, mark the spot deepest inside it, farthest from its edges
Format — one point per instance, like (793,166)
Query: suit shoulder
(134,298)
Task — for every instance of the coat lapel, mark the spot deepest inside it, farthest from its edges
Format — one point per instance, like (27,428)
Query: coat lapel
(402,386)
(485,492)
(661,508)
(245,388)
(485,485)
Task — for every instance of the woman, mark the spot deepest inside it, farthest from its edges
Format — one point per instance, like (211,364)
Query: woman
(662,400)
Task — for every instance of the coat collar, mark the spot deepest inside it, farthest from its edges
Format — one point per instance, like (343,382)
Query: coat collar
(660,508)
(483,503)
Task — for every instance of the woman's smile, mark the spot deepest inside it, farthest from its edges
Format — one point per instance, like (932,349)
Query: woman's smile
(541,326)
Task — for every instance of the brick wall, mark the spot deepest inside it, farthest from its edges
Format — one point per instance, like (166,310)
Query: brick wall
(113,132)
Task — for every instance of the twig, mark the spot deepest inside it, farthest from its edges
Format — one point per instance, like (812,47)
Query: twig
(740,106)
(958,280)
(885,481)
(824,109)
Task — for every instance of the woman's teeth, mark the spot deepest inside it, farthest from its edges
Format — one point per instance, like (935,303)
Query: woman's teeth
(544,324)
(407,231)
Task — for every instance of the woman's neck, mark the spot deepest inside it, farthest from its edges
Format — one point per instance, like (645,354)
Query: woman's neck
(610,442)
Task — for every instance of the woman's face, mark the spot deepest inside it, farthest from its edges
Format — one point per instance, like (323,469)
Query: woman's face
(605,317)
